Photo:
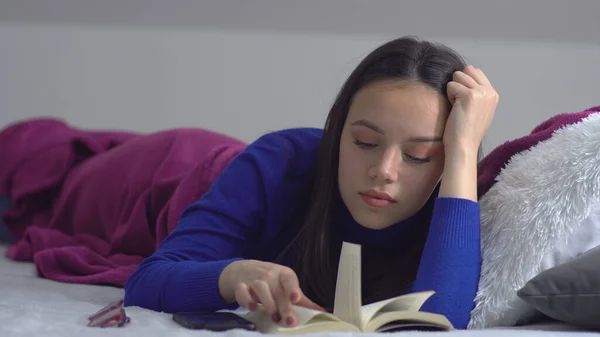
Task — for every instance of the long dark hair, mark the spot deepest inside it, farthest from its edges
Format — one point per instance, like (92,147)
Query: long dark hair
(403,59)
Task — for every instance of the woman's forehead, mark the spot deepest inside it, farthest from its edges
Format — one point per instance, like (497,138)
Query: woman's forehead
(391,107)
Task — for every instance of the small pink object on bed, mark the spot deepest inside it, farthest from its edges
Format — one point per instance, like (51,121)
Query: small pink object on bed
(113,315)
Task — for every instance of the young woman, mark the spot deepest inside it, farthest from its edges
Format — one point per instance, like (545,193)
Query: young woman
(394,170)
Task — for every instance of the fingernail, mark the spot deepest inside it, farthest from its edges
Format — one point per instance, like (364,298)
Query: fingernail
(294,296)
(290,321)
(252,306)
(276,318)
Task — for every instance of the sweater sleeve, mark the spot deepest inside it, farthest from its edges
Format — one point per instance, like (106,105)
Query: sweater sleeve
(451,260)
(183,274)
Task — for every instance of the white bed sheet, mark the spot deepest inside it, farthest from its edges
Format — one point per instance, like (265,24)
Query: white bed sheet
(32,306)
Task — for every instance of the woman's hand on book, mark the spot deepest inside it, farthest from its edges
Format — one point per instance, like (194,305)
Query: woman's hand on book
(276,287)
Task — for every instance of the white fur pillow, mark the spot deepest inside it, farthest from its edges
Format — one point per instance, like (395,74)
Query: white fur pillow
(536,216)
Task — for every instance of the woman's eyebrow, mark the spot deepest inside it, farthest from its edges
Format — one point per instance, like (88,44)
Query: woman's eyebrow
(418,139)
(424,139)
(366,123)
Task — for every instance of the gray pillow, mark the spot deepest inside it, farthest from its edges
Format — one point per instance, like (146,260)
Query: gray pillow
(569,292)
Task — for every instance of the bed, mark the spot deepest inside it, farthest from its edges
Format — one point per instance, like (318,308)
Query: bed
(34,306)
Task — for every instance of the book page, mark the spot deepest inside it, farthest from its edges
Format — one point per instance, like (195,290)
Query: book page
(348,295)
(304,317)
(398,319)
(408,302)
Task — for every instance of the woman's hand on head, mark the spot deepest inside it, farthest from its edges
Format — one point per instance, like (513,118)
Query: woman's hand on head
(276,287)
(474,101)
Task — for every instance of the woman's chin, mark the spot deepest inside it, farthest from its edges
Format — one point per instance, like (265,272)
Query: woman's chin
(376,220)
(372,222)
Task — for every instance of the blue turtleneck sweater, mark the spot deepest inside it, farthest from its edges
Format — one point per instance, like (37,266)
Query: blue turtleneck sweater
(247,214)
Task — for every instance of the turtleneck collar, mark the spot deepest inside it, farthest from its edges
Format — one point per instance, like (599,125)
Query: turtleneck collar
(352,231)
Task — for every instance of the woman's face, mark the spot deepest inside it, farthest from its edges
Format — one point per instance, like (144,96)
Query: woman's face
(391,152)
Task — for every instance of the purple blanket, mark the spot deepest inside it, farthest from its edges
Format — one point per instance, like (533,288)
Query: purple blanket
(90,205)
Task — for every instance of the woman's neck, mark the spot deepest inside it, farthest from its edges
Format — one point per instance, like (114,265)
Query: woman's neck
(351,231)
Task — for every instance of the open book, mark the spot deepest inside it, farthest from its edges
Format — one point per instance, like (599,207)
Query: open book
(349,315)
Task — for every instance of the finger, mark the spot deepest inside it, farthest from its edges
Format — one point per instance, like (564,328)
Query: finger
(290,285)
(455,90)
(290,293)
(477,74)
(307,303)
(253,294)
(285,307)
(465,79)
(263,292)
(244,298)
(484,79)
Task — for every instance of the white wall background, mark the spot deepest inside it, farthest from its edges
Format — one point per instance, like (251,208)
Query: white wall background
(146,65)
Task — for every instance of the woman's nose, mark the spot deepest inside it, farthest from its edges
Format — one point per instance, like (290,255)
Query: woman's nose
(386,168)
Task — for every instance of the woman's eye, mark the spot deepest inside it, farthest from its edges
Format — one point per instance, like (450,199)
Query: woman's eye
(364,145)
(417,160)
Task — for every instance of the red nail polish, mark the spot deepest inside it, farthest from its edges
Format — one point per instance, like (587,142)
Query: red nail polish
(276,318)
(290,321)
(294,296)
(252,306)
